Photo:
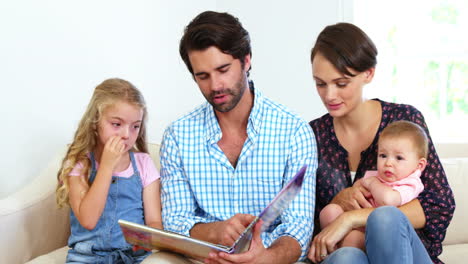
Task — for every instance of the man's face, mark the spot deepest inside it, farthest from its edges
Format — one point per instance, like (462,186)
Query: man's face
(221,78)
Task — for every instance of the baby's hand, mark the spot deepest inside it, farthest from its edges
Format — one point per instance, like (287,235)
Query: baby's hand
(367,182)
(112,152)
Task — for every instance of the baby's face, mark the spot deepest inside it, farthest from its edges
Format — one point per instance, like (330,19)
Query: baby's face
(397,159)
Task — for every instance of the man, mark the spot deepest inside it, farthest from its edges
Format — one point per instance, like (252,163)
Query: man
(225,161)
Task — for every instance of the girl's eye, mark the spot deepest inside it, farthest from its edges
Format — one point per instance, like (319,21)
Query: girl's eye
(400,158)
(382,156)
(136,126)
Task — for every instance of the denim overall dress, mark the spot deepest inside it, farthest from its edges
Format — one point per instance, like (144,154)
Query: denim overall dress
(106,243)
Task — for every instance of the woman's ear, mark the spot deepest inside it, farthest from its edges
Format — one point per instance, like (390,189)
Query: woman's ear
(422,164)
(369,74)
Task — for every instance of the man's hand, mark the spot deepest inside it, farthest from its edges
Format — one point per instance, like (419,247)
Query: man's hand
(257,253)
(222,232)
(352,198)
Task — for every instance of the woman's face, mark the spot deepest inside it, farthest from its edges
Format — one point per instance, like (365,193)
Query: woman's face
(340,93)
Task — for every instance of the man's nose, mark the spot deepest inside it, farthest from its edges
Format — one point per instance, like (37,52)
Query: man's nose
(216,83)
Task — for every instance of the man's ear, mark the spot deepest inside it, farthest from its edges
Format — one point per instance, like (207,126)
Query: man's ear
(247,62)
(369,74)
(422,164)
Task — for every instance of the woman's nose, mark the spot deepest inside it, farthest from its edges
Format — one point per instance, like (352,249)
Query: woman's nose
(330,93)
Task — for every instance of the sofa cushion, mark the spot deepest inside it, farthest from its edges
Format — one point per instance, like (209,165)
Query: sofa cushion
(57,256)
(457,175)
(454,254)
(30,223)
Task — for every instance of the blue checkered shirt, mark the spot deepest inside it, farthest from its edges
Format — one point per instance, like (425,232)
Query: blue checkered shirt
(199,184)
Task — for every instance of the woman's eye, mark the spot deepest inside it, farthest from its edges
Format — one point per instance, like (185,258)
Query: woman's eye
(320,84)
(341,85)
(116,124)
(136,126)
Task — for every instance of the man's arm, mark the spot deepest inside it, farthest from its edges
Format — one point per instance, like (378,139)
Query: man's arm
(297,219)
(179,205)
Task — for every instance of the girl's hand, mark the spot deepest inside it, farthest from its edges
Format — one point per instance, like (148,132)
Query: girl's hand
(112,152)
(327,240)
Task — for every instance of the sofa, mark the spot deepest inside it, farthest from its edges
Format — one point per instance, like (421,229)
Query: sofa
(33,230)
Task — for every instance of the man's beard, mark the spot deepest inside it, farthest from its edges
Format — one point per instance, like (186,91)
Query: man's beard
(236,94)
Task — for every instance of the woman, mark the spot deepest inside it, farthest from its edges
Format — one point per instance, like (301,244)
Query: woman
(343,61)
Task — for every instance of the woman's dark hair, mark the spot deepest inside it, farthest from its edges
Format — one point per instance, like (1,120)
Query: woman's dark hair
(221,30)
(346,46)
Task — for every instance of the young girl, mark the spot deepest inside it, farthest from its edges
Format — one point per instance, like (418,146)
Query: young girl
(402,156)
(108,175)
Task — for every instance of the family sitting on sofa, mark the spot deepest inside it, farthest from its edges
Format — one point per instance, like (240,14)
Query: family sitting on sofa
(226,160)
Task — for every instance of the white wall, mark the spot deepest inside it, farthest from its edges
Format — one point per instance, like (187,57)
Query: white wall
(54,52)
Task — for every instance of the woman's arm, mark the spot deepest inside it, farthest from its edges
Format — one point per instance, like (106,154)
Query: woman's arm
(326,241)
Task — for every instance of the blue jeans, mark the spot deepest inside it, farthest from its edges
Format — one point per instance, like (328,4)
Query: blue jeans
(390,238)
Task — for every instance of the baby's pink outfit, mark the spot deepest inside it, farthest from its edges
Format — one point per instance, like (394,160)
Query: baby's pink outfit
(409,187)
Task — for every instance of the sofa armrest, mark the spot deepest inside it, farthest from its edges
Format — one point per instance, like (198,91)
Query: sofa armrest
(456,170)
(30,222)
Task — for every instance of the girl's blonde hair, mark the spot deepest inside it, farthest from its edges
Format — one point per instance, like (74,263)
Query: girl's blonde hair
(85,140)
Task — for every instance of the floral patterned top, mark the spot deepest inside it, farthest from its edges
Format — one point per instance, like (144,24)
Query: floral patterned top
(333,173)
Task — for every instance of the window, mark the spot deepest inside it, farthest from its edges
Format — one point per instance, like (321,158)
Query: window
(423,59)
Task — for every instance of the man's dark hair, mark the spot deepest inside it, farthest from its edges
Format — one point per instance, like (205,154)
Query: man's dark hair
(220,30)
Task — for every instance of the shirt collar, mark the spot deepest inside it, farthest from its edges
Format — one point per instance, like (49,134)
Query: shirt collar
(212,126)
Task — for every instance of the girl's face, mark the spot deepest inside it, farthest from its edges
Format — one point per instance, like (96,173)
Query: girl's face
(397,159)
(120,119)
(340,93)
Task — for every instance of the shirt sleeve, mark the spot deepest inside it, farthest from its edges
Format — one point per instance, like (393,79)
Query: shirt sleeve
(437,198)
(297,220)
(76,171)
(149,172)
(409,188)
(179,204)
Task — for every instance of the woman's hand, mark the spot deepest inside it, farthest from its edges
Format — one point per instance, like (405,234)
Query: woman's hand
(353,198)
(327,240)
